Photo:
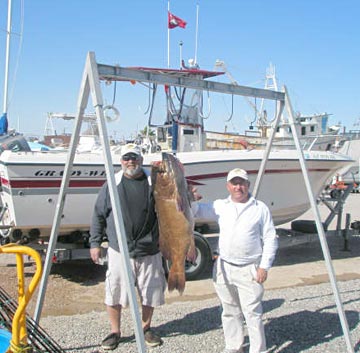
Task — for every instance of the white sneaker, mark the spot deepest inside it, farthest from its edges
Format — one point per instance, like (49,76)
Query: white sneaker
(232,350)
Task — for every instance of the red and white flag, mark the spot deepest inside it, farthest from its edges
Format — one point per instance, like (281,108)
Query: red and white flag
(174,21)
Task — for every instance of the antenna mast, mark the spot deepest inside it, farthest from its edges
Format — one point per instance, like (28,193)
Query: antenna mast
(196,33)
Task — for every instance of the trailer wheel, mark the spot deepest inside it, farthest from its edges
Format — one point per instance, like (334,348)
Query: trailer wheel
(203,259)
(5,232)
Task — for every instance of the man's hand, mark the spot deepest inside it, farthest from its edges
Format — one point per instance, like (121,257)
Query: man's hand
(194,195)
(191,255)
(95,254)
(261,275)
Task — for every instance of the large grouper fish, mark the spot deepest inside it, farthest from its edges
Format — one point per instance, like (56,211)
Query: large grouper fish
(176,222)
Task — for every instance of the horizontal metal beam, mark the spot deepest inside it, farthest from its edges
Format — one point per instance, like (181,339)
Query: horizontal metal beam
(117,73)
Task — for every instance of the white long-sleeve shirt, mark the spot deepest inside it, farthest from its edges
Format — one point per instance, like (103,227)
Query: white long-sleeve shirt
(247,232)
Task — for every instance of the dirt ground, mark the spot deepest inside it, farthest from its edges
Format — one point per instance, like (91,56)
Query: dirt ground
(73,287)
(78,287)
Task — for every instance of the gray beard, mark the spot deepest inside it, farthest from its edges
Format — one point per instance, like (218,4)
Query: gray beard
(131,172)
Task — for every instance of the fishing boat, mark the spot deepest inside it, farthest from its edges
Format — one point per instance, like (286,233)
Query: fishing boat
(351,147)
(89,137)
(313,130)
(30,181)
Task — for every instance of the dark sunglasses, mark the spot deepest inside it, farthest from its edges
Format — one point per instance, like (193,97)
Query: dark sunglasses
(130,157)
(238,181)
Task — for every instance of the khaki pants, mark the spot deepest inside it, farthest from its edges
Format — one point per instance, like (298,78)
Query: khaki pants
(240,296)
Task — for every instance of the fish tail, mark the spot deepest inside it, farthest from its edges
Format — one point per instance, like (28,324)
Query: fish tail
(176,280)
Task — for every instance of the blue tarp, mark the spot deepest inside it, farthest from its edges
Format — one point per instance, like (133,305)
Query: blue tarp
(5,338)
(3,124)
(36,146)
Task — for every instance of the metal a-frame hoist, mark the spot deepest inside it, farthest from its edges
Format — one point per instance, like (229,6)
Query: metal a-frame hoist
(90,85)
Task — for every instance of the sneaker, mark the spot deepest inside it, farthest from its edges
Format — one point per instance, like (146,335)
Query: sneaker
(232,350)
(152,339)
(111,341)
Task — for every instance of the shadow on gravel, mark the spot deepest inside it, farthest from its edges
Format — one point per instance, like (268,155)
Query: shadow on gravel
(86,273)
(303,330)
(312,251)
(209,319)
(271,304)
(189,324)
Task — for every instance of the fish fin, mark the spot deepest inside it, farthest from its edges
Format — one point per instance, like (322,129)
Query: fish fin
(182,203)
(176,280)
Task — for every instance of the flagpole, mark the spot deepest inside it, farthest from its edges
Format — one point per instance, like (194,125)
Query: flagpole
(168,41)
(181,58)
(196,32)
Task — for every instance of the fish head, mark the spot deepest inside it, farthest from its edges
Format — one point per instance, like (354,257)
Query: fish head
(173,166)
(168,177)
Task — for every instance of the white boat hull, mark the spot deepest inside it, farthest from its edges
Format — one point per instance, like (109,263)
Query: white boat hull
(31,182)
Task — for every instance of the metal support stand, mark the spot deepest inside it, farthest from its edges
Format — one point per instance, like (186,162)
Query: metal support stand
(92,74)
(319,225)
(321,232)
(91,83)
(339,219)
(337,210)
(346,232)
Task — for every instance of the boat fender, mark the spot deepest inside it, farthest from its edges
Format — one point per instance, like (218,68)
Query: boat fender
(244,144)
(305,226)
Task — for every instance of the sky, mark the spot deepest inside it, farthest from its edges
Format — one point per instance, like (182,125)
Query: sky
(313,44)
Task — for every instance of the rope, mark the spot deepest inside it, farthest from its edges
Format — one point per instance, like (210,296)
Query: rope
(20,349)
(232,109)
(201,113)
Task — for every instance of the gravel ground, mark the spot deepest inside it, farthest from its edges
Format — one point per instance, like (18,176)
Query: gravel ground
(300,319)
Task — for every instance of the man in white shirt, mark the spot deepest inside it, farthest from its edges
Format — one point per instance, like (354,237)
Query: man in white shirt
(247,248)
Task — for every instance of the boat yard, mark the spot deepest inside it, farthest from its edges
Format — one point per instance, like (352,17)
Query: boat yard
(35,178)
(206,159)
(299,276)
(39,177)
(47,198)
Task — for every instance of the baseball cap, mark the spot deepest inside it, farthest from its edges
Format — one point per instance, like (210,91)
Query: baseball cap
(130,148)
(237,172)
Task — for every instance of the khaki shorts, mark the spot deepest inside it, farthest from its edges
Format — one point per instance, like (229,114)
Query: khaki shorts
(149,279)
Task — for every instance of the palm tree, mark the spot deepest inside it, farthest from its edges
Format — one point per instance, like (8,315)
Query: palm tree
(146,131)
